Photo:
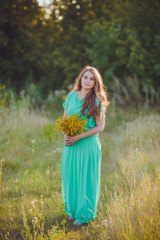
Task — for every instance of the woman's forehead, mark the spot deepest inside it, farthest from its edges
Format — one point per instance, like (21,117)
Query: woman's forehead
(89,74)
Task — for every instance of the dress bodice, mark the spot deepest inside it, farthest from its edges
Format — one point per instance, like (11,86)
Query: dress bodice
(73,105)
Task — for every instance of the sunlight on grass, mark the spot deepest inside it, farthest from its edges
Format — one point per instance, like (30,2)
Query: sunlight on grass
(31,204)
(133,212)
(136,215)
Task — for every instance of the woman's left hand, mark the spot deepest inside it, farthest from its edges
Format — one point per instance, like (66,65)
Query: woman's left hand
(69,140)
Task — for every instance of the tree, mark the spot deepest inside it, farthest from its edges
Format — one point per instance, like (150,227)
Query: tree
(124,46)
(21,47)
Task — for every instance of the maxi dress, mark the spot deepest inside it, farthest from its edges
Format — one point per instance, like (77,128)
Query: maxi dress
(80,168)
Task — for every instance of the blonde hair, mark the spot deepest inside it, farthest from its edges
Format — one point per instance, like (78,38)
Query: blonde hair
(99,91)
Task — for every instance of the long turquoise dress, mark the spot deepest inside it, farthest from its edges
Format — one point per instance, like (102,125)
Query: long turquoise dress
(80,169)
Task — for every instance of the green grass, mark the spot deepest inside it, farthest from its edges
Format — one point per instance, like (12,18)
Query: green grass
(31,204)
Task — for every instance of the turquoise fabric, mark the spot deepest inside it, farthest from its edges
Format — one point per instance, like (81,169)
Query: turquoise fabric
(80,169)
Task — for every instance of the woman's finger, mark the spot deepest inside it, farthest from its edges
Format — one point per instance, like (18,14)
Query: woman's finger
(68,138)
(68,142)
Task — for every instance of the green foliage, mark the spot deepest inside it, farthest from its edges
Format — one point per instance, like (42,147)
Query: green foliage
(21,45)
(1,166)
(3,96)
(123,48)
(34,95)
(50,132)
(40,54)
(54,101)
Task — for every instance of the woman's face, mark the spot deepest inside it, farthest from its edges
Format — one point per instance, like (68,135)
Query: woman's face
(87,80)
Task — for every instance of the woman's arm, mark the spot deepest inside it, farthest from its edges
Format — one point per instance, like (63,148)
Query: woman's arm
(65,113)
(100,123)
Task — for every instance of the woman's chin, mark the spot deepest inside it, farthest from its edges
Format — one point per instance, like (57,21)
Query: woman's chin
(87,87)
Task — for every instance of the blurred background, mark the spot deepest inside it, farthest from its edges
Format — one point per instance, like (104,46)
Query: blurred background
(44,44)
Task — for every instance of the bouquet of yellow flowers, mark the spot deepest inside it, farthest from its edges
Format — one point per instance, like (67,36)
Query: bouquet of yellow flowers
(72,125)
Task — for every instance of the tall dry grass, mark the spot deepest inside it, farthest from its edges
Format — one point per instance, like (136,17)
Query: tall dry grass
(134,208)
(31,201)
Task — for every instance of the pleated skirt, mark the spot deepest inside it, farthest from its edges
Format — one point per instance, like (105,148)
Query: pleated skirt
(80,175)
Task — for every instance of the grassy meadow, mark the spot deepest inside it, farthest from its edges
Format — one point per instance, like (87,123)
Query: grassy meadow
(31,204)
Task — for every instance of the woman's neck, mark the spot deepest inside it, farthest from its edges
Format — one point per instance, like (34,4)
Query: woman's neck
(83,92)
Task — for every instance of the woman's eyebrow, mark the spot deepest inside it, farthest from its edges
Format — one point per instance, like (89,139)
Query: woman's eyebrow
(87,76)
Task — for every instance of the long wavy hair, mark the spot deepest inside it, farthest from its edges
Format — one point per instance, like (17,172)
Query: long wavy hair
(98,90)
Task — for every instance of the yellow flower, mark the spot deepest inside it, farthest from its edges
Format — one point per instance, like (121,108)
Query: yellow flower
(64,97)
(2,86)
(3,95)
(72,125)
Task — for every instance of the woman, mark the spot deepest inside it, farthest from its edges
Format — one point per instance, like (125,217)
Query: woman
(81,155)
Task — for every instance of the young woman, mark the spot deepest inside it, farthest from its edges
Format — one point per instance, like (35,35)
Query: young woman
(81,155)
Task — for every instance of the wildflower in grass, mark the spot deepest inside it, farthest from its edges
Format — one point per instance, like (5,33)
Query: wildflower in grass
(56,150)
(2,86)
(3,95)
(72,125)
(32,203)
(64,97)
